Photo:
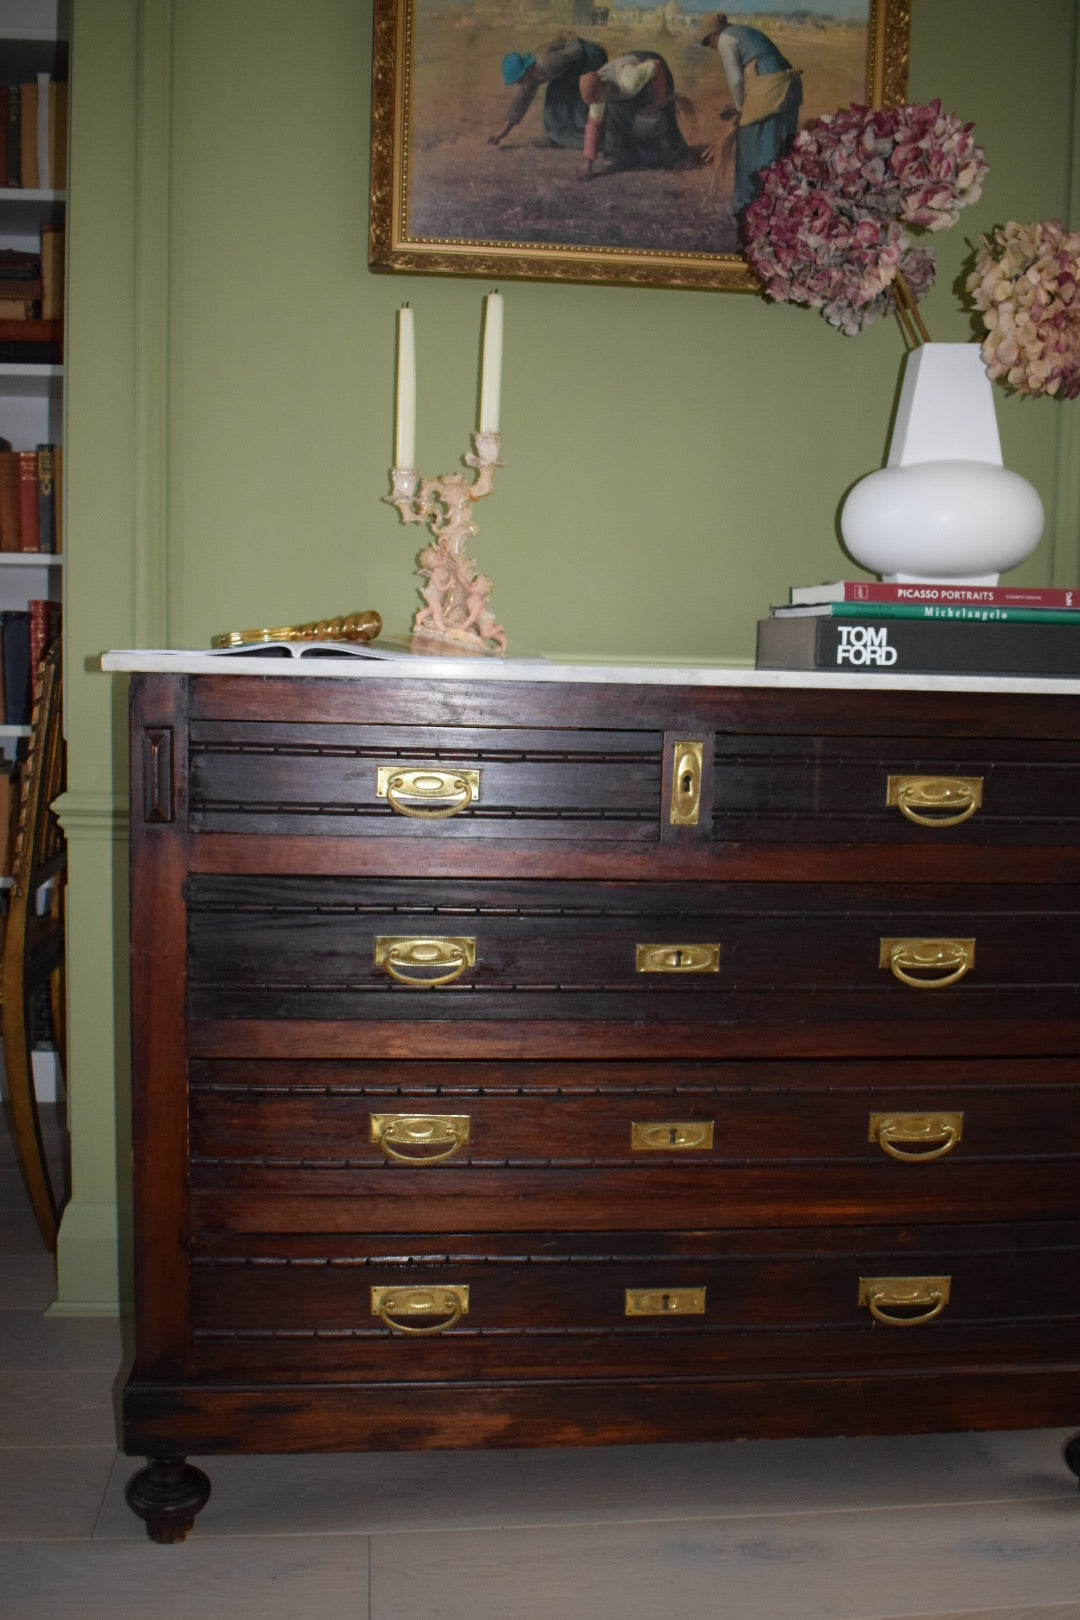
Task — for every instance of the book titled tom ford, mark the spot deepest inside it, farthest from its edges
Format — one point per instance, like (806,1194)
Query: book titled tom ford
(927,646)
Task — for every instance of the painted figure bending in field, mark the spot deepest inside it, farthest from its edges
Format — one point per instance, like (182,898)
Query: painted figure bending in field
(558,67)
(632,116)
(767,92)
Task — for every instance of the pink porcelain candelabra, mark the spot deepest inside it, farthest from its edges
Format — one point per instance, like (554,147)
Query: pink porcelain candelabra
(455,615)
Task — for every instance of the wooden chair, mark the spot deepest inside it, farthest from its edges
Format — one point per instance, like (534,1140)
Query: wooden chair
(33,944)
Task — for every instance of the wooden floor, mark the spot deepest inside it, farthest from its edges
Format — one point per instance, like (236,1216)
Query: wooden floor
(983,1526)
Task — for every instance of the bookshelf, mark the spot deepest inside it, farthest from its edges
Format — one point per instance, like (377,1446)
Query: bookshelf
(34,37)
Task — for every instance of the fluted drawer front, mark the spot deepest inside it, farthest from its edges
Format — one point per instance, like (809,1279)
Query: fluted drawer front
(329,948)
(303,1126)
(920,791)
(650,1304)
(425,782)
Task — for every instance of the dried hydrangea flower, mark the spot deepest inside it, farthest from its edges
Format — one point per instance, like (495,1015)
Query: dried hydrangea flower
(1026,283)
(831,225)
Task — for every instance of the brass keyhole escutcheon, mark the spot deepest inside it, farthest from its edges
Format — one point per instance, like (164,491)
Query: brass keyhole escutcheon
(686,785)
(672,1136)
(664,1302)
(678,958)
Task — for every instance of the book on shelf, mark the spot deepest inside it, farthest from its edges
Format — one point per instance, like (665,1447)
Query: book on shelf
(57,135)
(13,143)
(956,612)
(923,646)
(45,622)
(15,659)
(35,343)
(47,496)
(58,498)
(872,590)
(29,529)
(9,805)
(29,137)
(51,259)
(10,524)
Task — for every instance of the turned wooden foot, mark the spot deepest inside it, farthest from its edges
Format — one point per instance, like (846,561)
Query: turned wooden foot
(168,1493)
(1072,1454)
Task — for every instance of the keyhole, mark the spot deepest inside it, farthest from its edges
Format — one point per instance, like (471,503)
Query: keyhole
(674,1136)
(665,1302)
(687,783)
(678,959)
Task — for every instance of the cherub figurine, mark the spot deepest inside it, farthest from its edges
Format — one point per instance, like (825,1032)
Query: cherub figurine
(478,616)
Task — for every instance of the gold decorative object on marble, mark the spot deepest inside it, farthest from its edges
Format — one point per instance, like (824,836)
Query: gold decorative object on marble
(349,627)
(455,614)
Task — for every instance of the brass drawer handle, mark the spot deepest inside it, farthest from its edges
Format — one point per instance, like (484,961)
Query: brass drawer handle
(436,793)
(916,1138)
(678,958)
(449,957)
(686,785)
(401,1309)
(904,1293)
(935,801)
(664,1302)
(672,1136)
(908,959)
(447,1133)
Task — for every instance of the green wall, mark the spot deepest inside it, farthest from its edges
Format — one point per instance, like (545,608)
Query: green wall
(674,461)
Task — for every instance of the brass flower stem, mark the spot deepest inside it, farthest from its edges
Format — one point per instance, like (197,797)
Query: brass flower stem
(910,319)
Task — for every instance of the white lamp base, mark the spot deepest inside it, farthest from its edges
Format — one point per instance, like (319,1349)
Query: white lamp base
(944,508)
(965,521)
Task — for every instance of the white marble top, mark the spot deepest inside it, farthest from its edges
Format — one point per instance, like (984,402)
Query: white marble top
(410,667)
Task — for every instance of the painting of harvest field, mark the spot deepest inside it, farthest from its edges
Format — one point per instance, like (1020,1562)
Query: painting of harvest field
(480,167)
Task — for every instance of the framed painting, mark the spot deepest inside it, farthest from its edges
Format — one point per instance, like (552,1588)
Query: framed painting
(599,140)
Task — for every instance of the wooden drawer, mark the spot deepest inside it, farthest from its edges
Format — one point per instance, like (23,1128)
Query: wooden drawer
(585,1144)
(263,947)
(615,1305)
(424,782)
(923,790)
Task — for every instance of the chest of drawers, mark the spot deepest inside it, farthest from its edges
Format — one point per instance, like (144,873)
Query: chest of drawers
(556,1062)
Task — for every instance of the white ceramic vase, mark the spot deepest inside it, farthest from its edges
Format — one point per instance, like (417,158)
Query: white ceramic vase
(943,507)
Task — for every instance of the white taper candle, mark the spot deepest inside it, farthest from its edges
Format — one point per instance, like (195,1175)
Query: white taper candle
(405,413)
(491,366)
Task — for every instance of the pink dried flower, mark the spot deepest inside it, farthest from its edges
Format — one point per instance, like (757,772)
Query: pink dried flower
(831,225)
(1025,283)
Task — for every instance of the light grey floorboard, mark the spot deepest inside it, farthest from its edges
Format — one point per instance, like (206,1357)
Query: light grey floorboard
(59,1344)
(27,1281)
(813,1566)
(272,1578)
(49,1493)
(1027,1611)
(44,1410)
(476,1490)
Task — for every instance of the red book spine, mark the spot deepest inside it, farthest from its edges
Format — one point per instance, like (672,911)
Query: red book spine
(28,500)
(39,637)
(1033,596)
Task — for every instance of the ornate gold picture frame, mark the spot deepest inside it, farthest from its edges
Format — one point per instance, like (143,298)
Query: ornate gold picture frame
(476,170)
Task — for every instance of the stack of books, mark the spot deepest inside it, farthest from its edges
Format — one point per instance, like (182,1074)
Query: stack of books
(927,628)
(32,300)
